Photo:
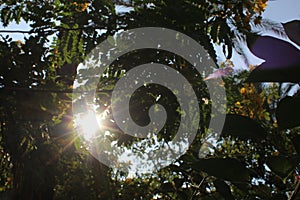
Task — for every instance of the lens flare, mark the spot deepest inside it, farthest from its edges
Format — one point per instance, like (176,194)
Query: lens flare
(89,124)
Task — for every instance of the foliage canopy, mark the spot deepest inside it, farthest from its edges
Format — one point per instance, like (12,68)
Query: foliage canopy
(41,156)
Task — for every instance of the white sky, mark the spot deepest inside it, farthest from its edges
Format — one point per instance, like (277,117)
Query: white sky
(282,10)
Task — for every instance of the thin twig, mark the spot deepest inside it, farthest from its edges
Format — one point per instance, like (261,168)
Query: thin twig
(196,190)
(295,192)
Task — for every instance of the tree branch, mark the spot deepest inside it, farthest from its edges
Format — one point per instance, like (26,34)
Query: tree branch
(14,31)
(66,91)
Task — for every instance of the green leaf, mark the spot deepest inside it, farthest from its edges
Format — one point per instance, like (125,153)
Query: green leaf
(225,168)
(283,165)
(43,108)
(111,40)
(243,128)
(77,144)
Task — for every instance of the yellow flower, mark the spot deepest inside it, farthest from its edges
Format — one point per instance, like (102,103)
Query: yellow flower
(81,6)
(243,90)
(260,6)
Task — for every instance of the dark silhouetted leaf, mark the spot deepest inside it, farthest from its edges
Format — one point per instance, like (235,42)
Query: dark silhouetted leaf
(263,73)
(242,186)
(223,189)
(292,30)
(282,165)
(178,182)
(225,168)
(282,60)
(167,187)
(296,143)
(276,52)
(279,197)
(243,127)
(287,112)
(211,196)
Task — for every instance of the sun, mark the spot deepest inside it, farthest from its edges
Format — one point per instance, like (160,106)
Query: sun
(89,124)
